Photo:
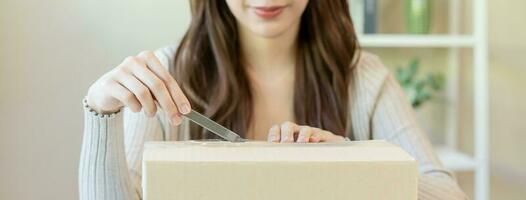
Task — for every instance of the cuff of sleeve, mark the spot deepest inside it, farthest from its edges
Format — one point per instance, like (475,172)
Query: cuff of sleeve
(103,159)
(93,113)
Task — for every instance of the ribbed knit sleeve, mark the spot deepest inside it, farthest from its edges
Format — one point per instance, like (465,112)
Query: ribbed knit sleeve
(103,171)
(110,163)
(111,157)
(393,119)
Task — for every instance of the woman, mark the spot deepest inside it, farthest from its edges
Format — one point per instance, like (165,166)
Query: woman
(276,70)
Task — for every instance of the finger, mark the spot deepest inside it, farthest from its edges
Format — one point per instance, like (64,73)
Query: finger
(304,135)
(316,135)
(141,92)
(314,139)
(159,91)
(331,137)
(126,97)
(274,134)
(153,63)
(326,136)
(287,132)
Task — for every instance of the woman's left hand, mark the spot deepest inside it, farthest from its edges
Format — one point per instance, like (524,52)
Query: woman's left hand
(289,132)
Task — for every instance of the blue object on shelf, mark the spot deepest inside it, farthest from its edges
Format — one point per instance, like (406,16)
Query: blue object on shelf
(371,16)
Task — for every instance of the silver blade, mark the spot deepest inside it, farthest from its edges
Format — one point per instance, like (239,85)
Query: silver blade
(214,127)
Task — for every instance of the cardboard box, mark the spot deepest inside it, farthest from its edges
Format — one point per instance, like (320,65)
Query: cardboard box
(194,170)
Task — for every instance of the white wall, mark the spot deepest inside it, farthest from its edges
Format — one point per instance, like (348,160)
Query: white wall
(50,52)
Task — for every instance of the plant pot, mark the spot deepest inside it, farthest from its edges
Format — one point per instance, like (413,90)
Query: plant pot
(418,16)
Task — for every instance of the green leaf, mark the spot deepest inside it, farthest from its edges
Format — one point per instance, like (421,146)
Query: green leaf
(418,90)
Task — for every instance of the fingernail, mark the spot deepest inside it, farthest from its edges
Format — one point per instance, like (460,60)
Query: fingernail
(185,108)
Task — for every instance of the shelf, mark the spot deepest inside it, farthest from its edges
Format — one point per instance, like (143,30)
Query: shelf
(403,40)
(454,160)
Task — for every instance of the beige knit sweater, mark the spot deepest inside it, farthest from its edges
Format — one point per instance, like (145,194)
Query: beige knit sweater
(110,163)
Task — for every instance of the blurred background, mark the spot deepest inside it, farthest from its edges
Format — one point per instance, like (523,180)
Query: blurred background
(51,51)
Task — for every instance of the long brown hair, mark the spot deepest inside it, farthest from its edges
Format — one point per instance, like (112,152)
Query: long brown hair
(208,67)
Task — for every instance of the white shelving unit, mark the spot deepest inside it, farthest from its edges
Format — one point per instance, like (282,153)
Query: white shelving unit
(452,158)
(435,41)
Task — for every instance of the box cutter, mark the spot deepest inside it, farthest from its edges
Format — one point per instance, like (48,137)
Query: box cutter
(214,127)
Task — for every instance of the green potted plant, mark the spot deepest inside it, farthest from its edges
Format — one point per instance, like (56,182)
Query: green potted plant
(418,88)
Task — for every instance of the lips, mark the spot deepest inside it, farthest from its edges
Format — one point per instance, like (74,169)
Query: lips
(268,12)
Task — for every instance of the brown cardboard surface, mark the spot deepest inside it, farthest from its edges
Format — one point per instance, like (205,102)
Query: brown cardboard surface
(258,170)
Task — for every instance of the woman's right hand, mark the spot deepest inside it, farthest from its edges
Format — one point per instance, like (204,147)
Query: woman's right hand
(139,82)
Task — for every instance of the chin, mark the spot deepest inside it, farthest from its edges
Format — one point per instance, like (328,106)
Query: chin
(269,31)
